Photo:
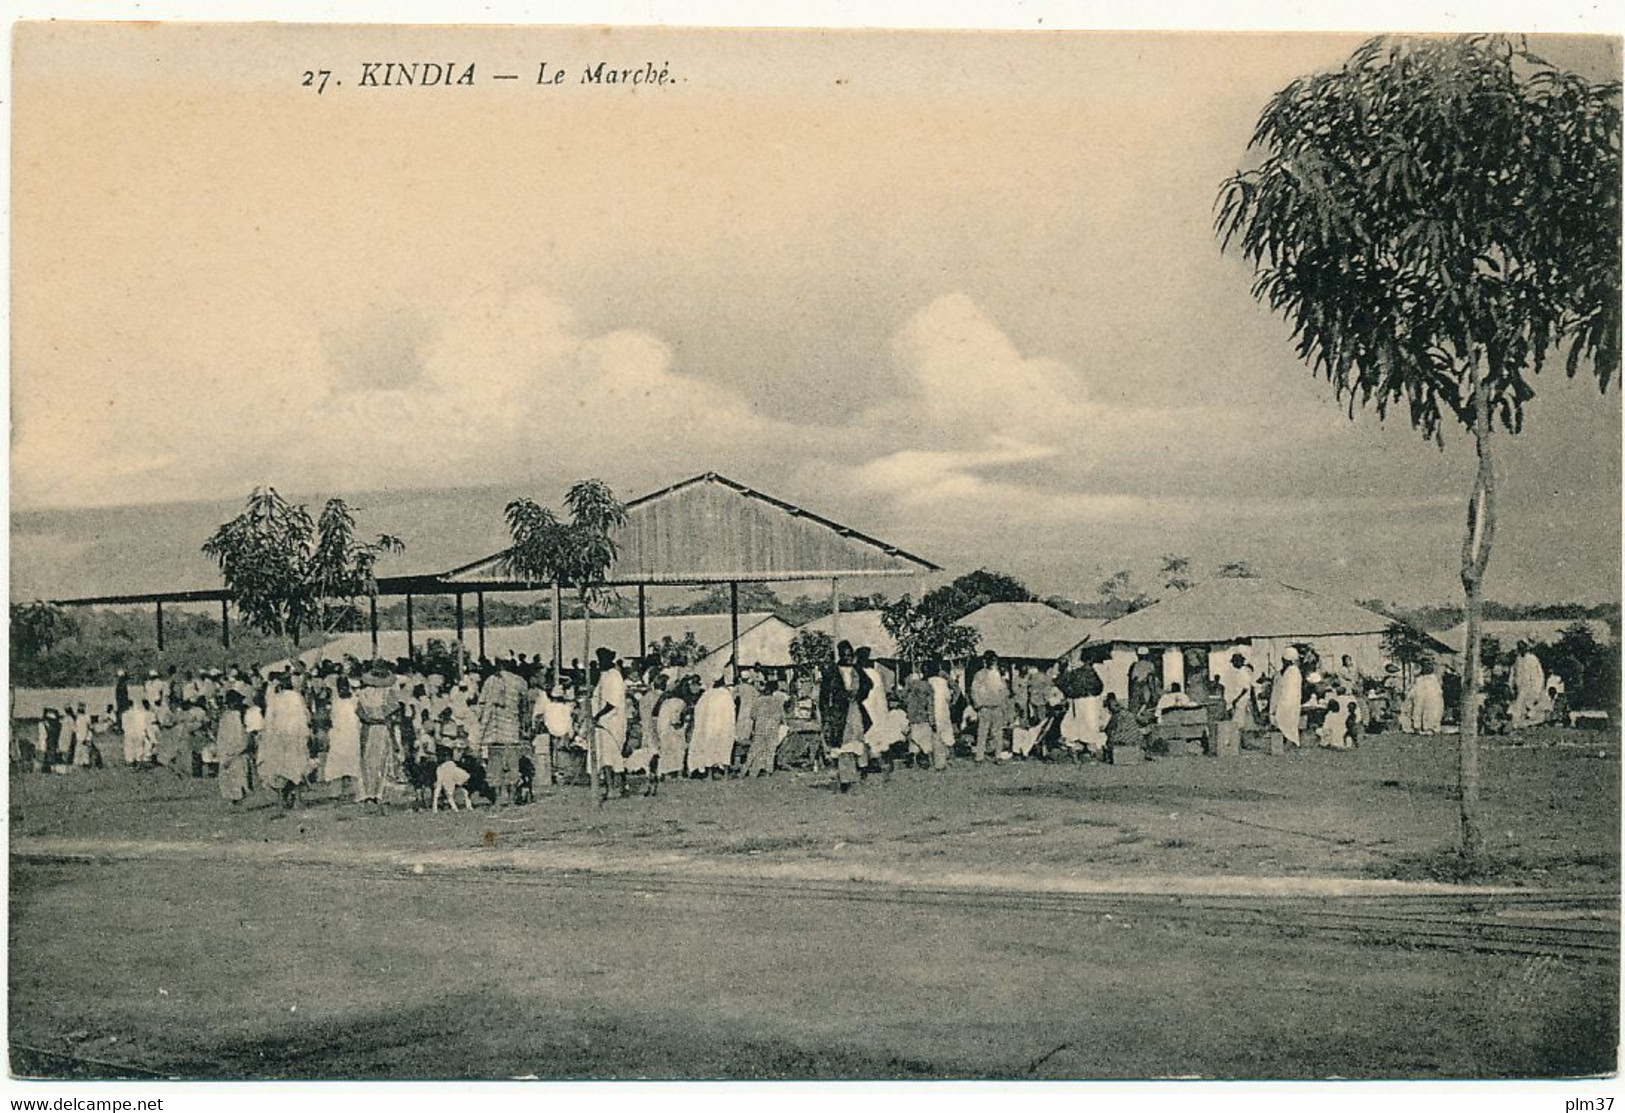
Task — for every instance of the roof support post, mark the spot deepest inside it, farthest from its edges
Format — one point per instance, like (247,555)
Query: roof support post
(733,615)
(643,629)
(479,618)
(410,644)
(225,624)
(372,621)
(159,610)
(558,633)
(835,608)
(459,598)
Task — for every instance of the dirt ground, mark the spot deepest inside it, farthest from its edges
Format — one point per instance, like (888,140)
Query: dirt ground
(273,971)
(155,927)
(1551,802)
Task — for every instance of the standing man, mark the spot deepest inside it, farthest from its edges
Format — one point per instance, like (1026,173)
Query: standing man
(835,690)
(991,697)
(1528,688)
(501,717)
(1239,695)
(121,694)
(378,706)
(608,724)
(1142,682)
(917,705)
(1020,690)
(745,697)
(1286,697)
(942,715)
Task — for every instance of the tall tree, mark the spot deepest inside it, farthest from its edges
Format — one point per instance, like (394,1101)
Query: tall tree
(1437,219)
(546,549)
(287,573)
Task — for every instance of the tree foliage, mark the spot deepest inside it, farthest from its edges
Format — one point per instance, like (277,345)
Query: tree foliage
(812,649)
(973,591)
(1176,572)
(678,652)
(288,573)
(546,549)
(927,630)
(1407,646)
(1436,214)
(577,552)
(1436,220)
(1121,591)
(37,627)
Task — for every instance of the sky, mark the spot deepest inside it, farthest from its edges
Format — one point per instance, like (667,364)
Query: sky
(959,291)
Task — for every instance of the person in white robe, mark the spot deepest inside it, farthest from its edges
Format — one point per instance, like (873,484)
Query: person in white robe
(608,724)
(1240,692)
(1425,704)
(710,746)
(942,718)
(343,762)
(671,733)
(140,728)
(284,753)
(880,734)
(1529,704)
(1286,698)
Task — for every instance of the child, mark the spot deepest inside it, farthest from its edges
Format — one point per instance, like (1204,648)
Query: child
(1335,729)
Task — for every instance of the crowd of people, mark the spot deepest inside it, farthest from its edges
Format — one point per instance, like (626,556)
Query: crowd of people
(384,732)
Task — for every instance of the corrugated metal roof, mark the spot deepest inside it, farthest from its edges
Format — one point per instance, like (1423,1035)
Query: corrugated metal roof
(713,631)
(710,529)
(1035,631)
(1226,610)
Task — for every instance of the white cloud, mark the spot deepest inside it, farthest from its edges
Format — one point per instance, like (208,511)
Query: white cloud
(966,382)
(506,386)
(971,409)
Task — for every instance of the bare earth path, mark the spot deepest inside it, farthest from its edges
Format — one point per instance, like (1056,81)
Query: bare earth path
(1182,918)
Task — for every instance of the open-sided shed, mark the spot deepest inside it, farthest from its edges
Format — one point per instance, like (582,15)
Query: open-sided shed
(1255,616)
(705,530)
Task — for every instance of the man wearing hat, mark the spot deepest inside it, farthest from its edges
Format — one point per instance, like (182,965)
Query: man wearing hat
(1286,697)
(378,706)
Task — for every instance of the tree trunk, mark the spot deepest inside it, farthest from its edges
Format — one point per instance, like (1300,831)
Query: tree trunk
(1475,558)
(593,756)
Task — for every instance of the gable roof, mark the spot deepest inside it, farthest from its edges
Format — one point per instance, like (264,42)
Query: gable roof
(861,628)
(1032,631)
(711,529)
(1227,610)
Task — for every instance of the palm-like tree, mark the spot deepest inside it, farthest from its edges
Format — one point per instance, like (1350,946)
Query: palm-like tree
(579,552)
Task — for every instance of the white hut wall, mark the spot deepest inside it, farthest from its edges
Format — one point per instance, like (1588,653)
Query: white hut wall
(1364,649)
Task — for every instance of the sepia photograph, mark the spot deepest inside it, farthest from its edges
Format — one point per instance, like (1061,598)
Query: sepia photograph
(594,552)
